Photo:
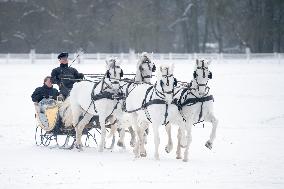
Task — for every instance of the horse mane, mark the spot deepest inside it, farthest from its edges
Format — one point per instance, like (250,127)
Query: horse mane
(65,113)
(162,67)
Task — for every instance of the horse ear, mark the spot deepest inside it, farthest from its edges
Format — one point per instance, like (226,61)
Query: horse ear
(210,75)
(107,64)
(161,83)
(175,82)
(154,68)
(121,73)
(161,69)
(172,68)
(194,75)
(209,62)
(107,74)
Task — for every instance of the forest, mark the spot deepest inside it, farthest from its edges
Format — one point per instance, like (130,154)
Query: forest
(159,26)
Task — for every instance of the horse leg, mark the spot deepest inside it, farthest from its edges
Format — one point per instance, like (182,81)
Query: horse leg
(136,143)
(189,139)
(142,137)
(103,133)
(132,133)
(76,113)
(211,118)
(169,146)
(120,142)
(156,141)
(178,152)
(79,130)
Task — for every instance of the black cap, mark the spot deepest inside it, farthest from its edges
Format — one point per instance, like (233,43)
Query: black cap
(62,55)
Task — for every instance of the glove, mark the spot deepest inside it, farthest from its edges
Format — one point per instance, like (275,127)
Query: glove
(81,76)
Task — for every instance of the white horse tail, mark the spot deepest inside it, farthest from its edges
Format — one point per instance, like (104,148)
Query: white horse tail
(65,113)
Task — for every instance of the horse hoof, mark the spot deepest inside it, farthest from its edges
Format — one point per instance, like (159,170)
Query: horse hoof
(208,145)
(132,144)
(143,154)
(178,157)
(167,149)
(79,147)
(120,144)
(185,160)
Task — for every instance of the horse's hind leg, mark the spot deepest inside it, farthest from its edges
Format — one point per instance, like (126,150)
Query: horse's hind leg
(79,129)
(76,113)
(103,133)
(211,118)
(169,146)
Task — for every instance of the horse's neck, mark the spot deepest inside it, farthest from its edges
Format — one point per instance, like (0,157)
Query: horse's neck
(102,86)
(138,77)
(160,94)
(193,90)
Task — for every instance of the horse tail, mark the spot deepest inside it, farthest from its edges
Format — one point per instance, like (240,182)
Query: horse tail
(65,113)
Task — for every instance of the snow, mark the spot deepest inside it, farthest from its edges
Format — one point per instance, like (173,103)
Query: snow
(247,153)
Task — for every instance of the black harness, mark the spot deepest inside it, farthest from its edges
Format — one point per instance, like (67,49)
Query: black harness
(160,99)
(153,69)
(194,100)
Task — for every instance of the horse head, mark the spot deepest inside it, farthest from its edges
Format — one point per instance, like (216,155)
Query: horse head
(166,81)
(114,72)
(145,68)
(201,75)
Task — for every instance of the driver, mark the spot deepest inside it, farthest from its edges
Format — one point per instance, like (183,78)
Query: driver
(65,76)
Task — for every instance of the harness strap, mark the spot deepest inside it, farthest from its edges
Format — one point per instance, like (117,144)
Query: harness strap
(192,101)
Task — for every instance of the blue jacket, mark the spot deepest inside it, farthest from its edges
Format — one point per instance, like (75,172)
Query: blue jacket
(44,92)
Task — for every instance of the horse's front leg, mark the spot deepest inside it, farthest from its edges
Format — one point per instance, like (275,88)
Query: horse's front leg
(120,142)
(189,139)
(142,138)
(169,146)
(156,140)
(211,118)
(136,149)
(132,134)
(178,152)
(103,133)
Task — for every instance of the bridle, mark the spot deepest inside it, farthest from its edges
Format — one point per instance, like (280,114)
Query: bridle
(153,69)
(203,68)
(167,76)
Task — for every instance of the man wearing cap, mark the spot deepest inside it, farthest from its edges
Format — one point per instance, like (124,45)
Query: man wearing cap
(65,76)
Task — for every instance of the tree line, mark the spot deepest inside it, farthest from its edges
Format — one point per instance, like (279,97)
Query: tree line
(113,26)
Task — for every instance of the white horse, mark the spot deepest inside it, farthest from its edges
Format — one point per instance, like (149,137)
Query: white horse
(153,104)
(197,105)
(144,72)
(88,99)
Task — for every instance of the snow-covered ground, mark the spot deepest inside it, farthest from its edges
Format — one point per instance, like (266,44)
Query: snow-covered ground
(247,153)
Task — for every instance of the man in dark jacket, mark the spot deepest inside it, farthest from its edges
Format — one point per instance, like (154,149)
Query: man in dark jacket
(46,91)
(65,76)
